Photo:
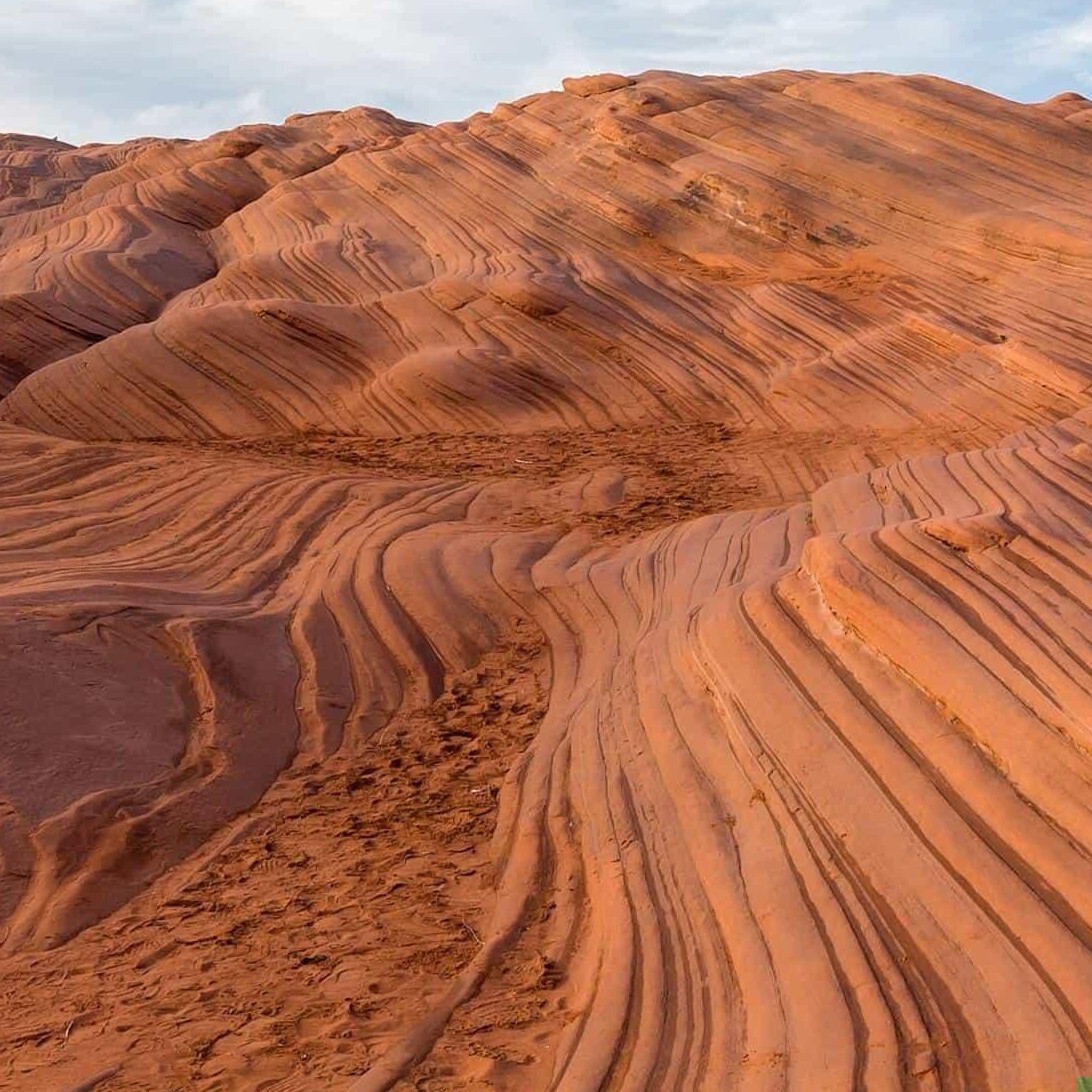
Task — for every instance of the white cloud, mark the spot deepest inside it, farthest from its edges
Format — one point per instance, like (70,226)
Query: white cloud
(202,117)
(1066,45)
(110,69)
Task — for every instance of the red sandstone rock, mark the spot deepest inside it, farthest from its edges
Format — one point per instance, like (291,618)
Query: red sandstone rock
(606,604)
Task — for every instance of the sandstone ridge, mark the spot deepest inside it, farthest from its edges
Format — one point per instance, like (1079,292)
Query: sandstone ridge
(592,596)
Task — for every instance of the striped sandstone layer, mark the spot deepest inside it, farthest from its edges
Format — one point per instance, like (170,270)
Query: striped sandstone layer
(590,597)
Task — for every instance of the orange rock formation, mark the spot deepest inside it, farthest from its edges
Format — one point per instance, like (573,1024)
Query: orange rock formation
(595,596)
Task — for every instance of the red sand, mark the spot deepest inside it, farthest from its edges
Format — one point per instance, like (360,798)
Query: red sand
(595,596)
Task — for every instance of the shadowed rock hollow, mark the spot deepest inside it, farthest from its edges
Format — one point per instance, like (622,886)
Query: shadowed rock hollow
(594,596)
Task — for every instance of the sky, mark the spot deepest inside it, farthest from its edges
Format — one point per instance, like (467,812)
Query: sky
(106,70)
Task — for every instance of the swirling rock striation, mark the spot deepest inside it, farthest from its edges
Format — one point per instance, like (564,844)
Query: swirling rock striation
(594,596)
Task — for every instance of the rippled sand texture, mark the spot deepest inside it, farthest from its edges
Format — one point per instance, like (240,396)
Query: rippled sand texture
(595,596)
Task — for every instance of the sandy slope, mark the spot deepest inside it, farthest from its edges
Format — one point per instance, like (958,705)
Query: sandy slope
(595,596)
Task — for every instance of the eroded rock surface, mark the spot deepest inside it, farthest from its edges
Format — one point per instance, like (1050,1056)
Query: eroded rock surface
(595,596)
